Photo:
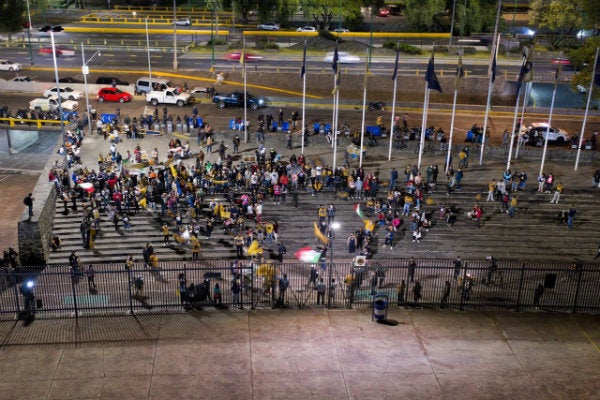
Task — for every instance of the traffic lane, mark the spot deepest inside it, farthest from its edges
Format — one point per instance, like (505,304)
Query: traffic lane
(566,97)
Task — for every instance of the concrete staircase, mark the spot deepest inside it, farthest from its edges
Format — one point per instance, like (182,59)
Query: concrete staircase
(535,233)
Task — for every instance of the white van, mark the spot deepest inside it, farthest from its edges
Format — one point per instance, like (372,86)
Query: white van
(146,85)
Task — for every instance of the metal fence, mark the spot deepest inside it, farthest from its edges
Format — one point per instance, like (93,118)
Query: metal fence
(432,283)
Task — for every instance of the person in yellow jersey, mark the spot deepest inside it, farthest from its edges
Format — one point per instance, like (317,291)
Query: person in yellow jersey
(195,247)
(166,234)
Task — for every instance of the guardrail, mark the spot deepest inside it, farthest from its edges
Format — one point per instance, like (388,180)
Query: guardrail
(19,122)
(431,283)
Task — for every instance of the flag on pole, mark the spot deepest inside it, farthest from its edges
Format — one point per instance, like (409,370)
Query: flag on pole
(336,59)
(308,255)
(597,72)
(460,71)
(324,239)
(254,248)
(494,64)
(526,69)
(303,69)
(431,77)
(358,211)
(395,74)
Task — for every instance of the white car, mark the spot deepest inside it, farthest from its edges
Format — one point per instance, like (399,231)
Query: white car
(343,57)
(7,65)
(557,135)
(65,93)
(183,22)
(268,26)
(306,29)
(341,30)
(22,79)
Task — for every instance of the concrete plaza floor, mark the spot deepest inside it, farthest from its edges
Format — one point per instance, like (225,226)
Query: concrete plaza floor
(304,354)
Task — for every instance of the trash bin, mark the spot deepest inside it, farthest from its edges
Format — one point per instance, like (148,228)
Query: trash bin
(380,305)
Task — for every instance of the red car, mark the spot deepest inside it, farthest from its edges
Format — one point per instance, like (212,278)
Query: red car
(565,62)
(113,94)
(60,51)
(383,12)
(236,55)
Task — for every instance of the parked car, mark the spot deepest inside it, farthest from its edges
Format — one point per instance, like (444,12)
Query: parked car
(22,79)
(268,26)
(183,22)
(306,29)
(394,9)
(109,80)
(145,85)
(113,94)
(69,79)
(383,12)
(538,130)
(587,33)
(65,93)
(60,51)
(236,55)
(48,28)
(236,99)
(523,32)
(343,57)
(341,30)
(7,65)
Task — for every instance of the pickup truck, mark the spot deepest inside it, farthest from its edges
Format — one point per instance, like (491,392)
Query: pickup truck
(51,104)
(169,96)
(236,99)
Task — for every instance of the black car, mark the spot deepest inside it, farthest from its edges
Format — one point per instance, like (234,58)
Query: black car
(110,80)
(48,28)
(69,79)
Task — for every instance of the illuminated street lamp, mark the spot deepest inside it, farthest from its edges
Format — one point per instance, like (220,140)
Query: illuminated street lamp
(29,34)
(85,70)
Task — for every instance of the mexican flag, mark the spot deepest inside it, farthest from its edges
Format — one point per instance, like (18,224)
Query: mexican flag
(358,211)
(308,255)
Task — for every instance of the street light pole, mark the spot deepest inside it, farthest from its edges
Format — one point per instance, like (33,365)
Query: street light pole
(29,34)
(85,70)
(148,51)
(59,100)
(174,35)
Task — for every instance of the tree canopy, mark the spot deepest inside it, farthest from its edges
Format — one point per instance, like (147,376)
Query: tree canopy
(11,15)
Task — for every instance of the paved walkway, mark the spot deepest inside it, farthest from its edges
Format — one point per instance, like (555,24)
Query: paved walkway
(291,354)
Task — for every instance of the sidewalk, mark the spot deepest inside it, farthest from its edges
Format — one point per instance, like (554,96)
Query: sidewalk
(295,354)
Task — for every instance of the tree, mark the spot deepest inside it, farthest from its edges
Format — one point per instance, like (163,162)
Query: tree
(420,14)
(583,61)
(11,16)
(324,12)
(243,8)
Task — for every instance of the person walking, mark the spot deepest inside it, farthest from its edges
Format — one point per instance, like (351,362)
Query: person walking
(445,295)
(417,291)
(570,216)
(412,266)
(457,267)
(401,293)
(321,288)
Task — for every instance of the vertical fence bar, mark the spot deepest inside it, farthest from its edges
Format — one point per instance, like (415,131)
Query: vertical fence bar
(73,277)
(129,290)
(13,276)
(577,288)
(522,277)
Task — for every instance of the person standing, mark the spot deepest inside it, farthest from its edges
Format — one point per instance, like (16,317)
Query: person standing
(401,299)
(238,241)
(412,266)
(537,295)
(457,267)
(166,234)
(235,292)
(217,294)
(283,285)
(417,291)
(139,286)
(558,190)
(512,205)
(570,216)
(90,278)
(321,288)
(28,201)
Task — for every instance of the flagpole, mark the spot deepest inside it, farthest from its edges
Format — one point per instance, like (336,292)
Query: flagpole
(245,95)
(492,73)
(423,124)
(525,96)
(303,97)
(451,130)
(334,135)
(519,91)
(489,99)
(364,110)
(514,126)
(587,108)
(549,122)
(395,78)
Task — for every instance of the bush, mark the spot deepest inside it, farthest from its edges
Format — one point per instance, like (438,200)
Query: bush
(217,42)
(404,48)
(267,45)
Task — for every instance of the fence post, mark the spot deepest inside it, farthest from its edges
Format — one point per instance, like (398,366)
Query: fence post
(574,308)
(129,289)
(73,276)
(13,276)
(462,289)
(520,287)
(252,306)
